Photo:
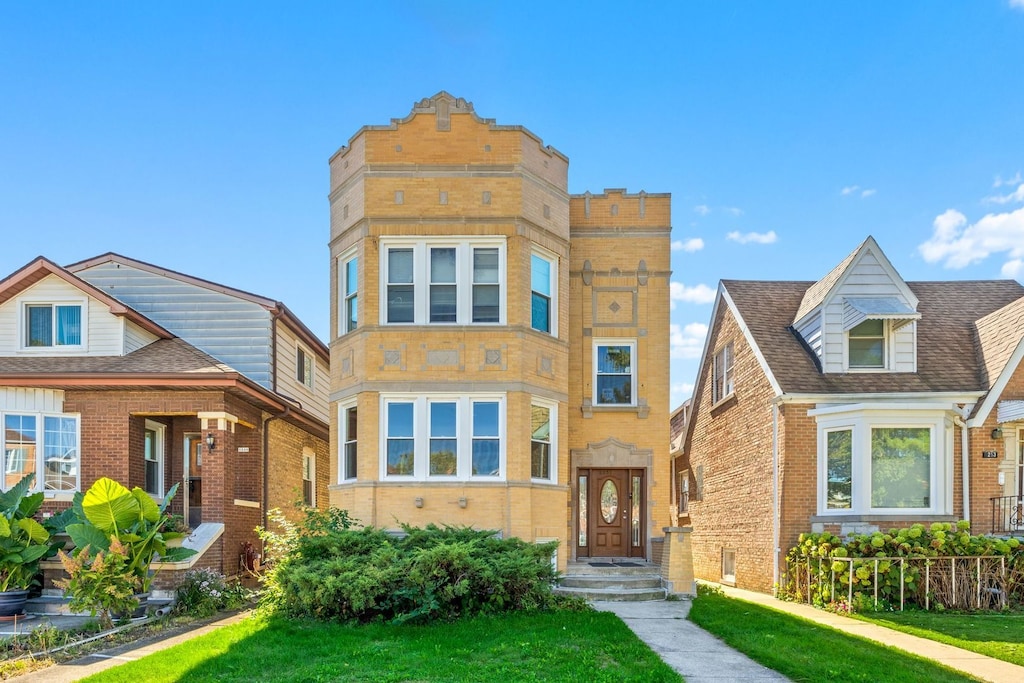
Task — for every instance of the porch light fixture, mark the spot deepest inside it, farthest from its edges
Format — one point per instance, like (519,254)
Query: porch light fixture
(997,433)
(210,442)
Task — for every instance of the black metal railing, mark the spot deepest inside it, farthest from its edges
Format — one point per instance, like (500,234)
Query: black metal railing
(1008,515)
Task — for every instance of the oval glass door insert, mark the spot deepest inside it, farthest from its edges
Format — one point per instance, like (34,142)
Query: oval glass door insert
(609,501)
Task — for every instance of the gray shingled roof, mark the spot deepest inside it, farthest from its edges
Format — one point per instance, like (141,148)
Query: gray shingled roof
(999,333)
(164,356)
(947,342)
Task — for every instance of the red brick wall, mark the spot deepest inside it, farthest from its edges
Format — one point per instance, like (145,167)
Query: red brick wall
(733,444)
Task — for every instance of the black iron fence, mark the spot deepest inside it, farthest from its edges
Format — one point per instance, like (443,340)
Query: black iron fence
(1008,516)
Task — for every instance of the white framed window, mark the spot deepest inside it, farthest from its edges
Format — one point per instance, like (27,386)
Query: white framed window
(53,325)
(442,436)
(543,287)
(153,454)
(305,367)
(348,437)
(543,436)
(867,345)
(456,281)
(875,461)
(729,566)
(683,492)
(44,445)
(723,373)
(308,476)
(614,372)
(348,286)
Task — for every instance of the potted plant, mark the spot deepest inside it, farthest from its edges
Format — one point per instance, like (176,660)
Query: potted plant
(24,542)
(111,513)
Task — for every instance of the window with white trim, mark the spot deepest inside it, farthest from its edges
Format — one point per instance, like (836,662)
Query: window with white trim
(452,281)
(53,325)
(348,424)
(543,431)
(884,463)
(443,436)
(44,445)
(614,372)
(153,455)
(308,477)
(723,373)
(867,344)
(683,491)
(348,276)
(729,566)
(305,367)
(543,284)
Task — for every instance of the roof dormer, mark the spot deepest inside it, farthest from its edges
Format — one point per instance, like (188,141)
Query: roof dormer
(861,316)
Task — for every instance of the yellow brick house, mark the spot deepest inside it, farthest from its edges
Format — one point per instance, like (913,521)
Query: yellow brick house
(499,347)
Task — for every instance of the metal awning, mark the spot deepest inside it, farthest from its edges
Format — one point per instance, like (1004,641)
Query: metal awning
(1009,411)
(856,311)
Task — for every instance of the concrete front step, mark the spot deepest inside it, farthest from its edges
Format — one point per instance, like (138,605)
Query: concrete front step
(582,568)
(607,581)
(615,595)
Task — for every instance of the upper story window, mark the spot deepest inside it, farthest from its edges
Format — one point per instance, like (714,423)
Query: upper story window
(44,445)
(305,367)
(49,325)
(443,437)
(615,373)
(723,369)
(348,425)
(867,345)
(349,276)
(460,281)
(543,271)
(883,464)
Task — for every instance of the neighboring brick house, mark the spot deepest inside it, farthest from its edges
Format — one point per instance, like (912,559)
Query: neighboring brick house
(846,405)
(114,367)
(499,347)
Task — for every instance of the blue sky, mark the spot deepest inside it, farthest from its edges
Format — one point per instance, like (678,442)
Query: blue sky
(196,135)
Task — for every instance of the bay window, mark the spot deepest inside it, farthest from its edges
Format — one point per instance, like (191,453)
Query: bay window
(543,422)
(348,424)
(890,462)
(443,436)
(543,272)
(443,281)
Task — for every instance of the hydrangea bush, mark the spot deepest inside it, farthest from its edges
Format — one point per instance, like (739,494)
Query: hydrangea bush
(205,591)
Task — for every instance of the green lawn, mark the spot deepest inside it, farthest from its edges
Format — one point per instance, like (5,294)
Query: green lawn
(805,651)
(556,646)
(994,634)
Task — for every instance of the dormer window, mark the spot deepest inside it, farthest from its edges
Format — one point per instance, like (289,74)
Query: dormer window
(867,344)
(51,325)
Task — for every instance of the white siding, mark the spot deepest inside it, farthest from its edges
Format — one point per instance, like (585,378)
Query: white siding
(866,278)
(103,335)
(314,401)
(135,337)
(811,332)
(35,400)
(231,329)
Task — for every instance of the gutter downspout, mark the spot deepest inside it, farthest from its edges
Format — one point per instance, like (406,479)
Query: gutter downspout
(777,512)
(965,461)
(266,458)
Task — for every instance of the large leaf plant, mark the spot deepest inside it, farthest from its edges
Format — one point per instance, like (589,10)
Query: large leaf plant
(109,511)
(24,542)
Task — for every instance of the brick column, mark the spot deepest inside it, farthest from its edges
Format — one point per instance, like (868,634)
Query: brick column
(677,561)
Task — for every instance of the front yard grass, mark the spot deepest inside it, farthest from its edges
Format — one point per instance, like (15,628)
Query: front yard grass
(999,635)
(548,646)
(805,651)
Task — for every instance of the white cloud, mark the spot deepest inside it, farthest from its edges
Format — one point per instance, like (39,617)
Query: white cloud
(1013,268)
(868,193)
(702,209)
(857,189)
(756,237)
(690,245)
(733,210)
(687,341)
(1017,4)
(698,294)
(683,390)
(849,190)
(1015,180)
(1015,196)
(958,244)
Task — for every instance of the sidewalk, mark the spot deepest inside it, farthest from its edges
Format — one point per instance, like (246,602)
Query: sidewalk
(979,666)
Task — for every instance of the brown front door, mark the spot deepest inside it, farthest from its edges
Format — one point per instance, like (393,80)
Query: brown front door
(611,511)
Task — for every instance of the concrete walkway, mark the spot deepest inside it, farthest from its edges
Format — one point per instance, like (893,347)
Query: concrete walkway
(979,666)
(696,654)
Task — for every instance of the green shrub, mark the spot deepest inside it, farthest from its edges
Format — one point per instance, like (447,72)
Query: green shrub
(331,571)
(206,591)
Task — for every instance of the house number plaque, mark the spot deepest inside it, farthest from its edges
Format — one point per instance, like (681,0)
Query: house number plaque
(990,454)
